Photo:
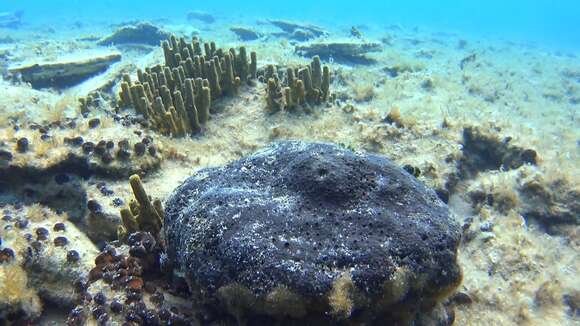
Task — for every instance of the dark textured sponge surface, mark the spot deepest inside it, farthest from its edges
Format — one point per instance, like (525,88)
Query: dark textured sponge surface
(301,214)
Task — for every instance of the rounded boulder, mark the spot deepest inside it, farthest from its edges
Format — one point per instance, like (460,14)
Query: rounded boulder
(313,231)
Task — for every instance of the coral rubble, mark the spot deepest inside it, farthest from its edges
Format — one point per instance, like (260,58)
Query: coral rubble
(312,231)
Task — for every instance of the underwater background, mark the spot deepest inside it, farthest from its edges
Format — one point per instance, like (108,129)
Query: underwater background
(543,22)
(298,162)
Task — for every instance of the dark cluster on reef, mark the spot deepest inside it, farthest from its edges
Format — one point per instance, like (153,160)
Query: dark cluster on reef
(484,152)
(130,277)
(300,215)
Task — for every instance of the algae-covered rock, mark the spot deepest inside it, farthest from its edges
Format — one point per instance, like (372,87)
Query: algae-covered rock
(485,150)
(66,71)
(245,33)
(291,27)
(77,148)
(311,230)
(47,256)
(551,202)
(142,33)
(341,51)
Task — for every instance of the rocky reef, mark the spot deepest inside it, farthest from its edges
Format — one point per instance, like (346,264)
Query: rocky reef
(189,184)
(141,33)
(315,232)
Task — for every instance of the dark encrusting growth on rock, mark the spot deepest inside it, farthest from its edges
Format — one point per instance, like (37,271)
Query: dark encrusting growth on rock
(486,151)
(314,232)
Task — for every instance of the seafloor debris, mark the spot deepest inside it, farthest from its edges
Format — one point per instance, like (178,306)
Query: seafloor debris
(341,51)
(314,232)
(10,19)
(66,71)
(245,33)
(42,255)
(468,59)
(301,86)
(142,33)
(291,28)
(356,33)
(201,16)
(176,97)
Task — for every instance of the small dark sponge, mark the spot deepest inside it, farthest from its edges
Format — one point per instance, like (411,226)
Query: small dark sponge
(300,215)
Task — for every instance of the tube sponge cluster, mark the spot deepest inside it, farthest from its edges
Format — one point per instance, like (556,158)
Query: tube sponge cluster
(301,86)
(176,97)
(143,214)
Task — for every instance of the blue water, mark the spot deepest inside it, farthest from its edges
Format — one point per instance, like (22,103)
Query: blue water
(550,23)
